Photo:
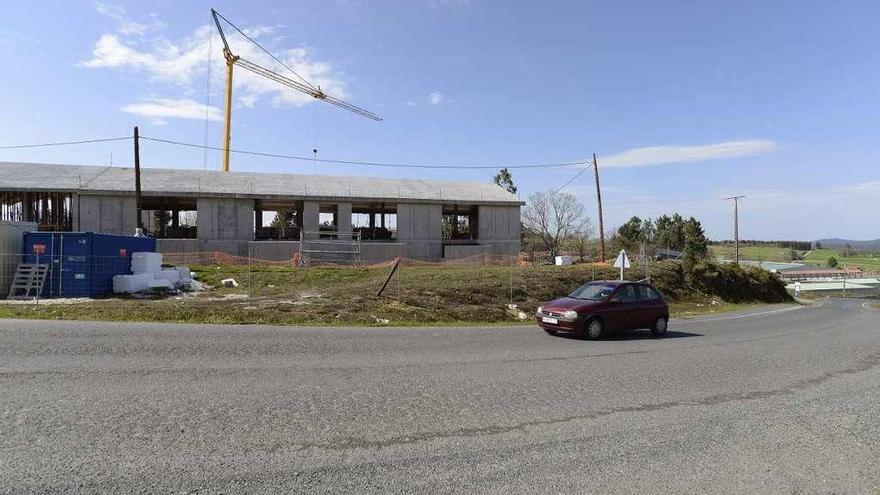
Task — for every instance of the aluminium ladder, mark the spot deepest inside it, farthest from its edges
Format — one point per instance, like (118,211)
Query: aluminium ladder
(28,281)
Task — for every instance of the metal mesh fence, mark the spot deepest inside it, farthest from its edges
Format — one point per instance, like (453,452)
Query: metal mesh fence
(492,281)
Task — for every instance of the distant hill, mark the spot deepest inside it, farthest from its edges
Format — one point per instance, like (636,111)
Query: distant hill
(836,243)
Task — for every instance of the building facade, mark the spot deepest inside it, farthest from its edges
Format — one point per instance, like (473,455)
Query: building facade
(372,219)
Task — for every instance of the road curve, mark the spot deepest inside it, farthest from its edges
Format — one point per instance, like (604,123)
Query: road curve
(782,401)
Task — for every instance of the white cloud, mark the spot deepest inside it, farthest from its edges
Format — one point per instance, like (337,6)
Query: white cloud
(657,155)
(410,103)
(436,98)
(871,186)
(161,108)
(126,25)
(183,64)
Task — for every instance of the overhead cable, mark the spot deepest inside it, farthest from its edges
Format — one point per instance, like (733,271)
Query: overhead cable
(368,163)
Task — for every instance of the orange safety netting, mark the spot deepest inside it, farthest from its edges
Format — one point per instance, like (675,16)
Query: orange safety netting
(223,259)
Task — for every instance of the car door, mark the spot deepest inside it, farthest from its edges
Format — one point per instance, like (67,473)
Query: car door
(651,305)
(623,308)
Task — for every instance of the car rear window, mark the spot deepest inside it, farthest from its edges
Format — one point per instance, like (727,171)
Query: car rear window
(627,294)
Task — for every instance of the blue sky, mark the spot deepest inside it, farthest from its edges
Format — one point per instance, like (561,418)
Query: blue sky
(684,102)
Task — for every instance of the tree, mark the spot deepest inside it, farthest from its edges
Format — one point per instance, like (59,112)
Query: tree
(504,179)
(283,221)
(553,218)
(832,262)
(161,219)
(818,245)
(696,246)
(580,239)
(670,232)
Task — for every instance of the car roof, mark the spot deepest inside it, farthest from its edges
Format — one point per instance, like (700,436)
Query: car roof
(617,282)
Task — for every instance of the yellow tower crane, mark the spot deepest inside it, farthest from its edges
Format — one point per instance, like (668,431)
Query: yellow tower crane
(303,86)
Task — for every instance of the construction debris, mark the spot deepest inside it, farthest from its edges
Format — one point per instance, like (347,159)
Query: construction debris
(148,275)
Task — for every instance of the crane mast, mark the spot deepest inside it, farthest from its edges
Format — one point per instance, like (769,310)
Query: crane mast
(303,87)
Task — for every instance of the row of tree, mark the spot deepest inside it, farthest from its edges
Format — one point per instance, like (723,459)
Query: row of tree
(556,219)
(671,232)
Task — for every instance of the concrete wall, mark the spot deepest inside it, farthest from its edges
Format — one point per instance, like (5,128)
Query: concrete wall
(225,219)
(419,227)
(500,227)
(458,251)
(378,252)
(11,248)
(108,214)
(273,250)
(178,245)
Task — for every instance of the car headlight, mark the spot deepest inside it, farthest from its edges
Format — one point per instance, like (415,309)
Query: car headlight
(540,309)
(570,314)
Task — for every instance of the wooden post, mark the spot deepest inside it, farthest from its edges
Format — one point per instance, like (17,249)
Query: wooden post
(388,279)
(601,221)
(137,177)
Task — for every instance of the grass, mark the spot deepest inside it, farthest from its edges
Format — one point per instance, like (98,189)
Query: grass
(819,257)
(418,295)
(756,253)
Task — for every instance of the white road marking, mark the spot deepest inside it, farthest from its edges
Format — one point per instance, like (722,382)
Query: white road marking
(737,317)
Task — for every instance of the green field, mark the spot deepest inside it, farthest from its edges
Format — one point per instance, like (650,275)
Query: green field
(817,257)
(756,253)
(820,257)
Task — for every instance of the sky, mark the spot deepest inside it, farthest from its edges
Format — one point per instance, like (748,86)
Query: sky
(684,103)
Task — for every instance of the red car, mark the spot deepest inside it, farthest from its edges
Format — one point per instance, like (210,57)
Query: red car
(596,308)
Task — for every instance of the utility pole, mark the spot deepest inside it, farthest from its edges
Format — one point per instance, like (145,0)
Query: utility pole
(137,178)
(601,222)
(736,225)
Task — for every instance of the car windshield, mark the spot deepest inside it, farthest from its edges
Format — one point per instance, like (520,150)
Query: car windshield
(593,292)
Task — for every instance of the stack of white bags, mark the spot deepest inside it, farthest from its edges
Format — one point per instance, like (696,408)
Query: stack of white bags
(147,273)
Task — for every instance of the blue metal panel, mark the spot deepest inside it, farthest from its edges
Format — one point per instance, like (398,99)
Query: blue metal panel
(83,263)
(76,264)
(111,255)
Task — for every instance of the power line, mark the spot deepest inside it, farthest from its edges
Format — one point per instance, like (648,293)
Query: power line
(586,167)
(370,164)
(63,143)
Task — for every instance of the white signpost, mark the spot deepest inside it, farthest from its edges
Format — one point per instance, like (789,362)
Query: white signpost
(621,262)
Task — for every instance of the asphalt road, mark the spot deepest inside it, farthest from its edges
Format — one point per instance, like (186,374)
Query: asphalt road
(786,402)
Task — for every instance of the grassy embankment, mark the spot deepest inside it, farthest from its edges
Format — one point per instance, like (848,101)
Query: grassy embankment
(427,295)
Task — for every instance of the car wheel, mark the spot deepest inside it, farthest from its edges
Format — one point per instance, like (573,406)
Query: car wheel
(659,328)
(594,329)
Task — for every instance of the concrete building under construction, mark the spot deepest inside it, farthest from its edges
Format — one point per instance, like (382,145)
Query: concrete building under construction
(373,219)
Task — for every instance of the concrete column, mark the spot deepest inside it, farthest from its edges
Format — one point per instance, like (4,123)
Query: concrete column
(27,207)
(343,220)
(310,216)
(74,212)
